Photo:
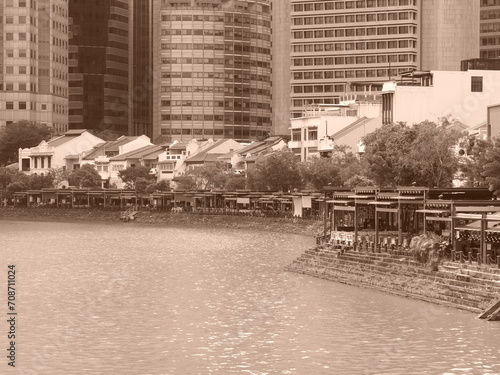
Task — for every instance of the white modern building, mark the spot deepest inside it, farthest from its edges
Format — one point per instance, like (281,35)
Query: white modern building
(463,96)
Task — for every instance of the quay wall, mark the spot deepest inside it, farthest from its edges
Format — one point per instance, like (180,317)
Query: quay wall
(464,286)
(274,224)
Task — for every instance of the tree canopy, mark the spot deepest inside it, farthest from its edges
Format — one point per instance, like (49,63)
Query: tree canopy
(21,134)
(491,168)
(85,177)
(396,154)
(131,175)
(279,171)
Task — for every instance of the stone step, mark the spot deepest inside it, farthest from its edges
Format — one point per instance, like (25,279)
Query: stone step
(480,274)
(445,267)
(483,268)
(446,277)
(472,294)
(440,294)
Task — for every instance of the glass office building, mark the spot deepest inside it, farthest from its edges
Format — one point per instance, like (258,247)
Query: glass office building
(213,63)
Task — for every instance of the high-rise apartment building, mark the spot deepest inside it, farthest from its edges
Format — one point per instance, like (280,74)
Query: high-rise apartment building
(213,63)
(351,47)
(490,29)
(33,62)
(99,65)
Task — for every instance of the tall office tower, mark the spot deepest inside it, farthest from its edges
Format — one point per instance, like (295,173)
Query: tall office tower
(351,47)
(141,70)
(449,33)
(281,66)
(34,62)
(490,29)
(99,65)
(214,66)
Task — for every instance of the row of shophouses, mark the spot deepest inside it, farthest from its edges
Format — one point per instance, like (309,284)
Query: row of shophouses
(467,99)
(76,148)
(468,219)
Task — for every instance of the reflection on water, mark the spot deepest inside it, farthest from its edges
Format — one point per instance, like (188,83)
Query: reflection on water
(132,299)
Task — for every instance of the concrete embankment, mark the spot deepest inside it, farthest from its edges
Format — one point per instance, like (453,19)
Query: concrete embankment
(457,285)
(281,225)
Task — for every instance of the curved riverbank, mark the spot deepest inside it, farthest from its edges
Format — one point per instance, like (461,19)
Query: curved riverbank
(462,286)
(282,225)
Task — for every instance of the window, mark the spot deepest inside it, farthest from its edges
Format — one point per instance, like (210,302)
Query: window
(476,84)
(22,105)
(9,105)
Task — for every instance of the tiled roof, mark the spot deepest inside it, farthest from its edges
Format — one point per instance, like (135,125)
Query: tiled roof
(178,146)
(201,156)
(68,136)
(110,146)
(148,152)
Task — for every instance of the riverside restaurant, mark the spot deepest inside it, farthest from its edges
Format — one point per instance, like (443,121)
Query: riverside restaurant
(468,219)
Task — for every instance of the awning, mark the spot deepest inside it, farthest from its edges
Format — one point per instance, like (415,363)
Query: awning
(426,211)
(243,200)
(382,203)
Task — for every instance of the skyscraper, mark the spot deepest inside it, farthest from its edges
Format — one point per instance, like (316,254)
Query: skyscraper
(490,29)
(141,69)
(213,63)
(99,65)
(33,62)
(351,47)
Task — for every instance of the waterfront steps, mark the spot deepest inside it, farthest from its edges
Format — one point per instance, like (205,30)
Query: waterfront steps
(453,284)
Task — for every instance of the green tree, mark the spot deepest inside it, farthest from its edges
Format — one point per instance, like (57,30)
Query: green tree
(359,180)
(319,172)
(162,185)
(432,157)
(278,171)
(130,175)
(21,134)
(491,170)
(185,182)
(473,158)
(235,182)
(85,177)
(209,175)
(347,162)
(396,154)
(385,149)
(6,177)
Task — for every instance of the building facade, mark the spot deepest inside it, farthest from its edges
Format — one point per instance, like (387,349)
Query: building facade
(141,69)
(490,29)
(352,47)
(33,62)
(212,59)
(435,96)
(99,65)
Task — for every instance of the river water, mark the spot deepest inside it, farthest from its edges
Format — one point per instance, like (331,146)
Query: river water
(143,299)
